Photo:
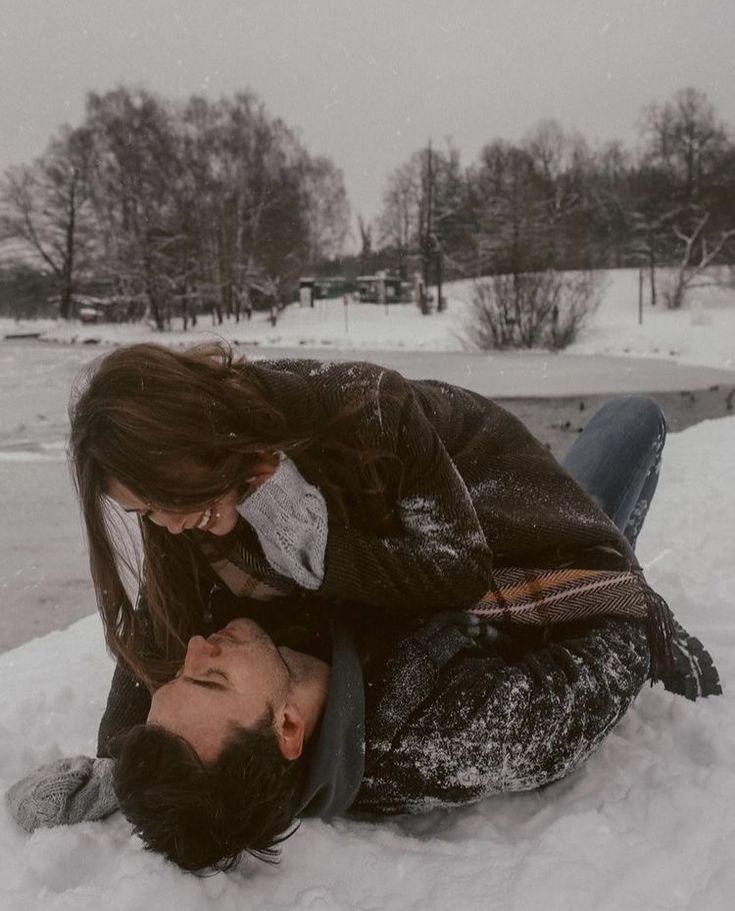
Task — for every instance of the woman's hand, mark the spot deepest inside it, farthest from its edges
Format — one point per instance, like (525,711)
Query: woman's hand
(225,514)
(290,518)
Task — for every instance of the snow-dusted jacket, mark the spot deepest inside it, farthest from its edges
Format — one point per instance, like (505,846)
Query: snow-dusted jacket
(470,489)
(457,714)
(450,712)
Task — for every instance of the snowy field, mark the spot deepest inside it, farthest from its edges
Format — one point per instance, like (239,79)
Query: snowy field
(702,334)
(648,823)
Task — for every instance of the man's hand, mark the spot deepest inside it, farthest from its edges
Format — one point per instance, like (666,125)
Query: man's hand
(68,791)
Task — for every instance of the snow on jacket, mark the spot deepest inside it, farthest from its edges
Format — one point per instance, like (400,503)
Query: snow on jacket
(452,712)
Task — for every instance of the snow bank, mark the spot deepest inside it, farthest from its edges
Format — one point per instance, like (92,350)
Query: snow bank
(703,333)
(329,324)
(648,822)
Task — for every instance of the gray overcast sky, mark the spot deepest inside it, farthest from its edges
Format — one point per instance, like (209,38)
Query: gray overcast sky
(368,82)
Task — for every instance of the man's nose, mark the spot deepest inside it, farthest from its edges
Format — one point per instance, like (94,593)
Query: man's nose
(199,652)
(172,522)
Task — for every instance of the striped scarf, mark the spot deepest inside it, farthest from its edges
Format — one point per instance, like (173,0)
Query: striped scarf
(550,596)
(238,561)
(536,597)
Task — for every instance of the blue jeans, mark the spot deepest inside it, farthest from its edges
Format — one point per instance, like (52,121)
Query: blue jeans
(617,457)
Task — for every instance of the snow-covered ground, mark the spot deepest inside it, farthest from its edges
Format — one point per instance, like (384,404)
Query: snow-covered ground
(649,822)
(703,333)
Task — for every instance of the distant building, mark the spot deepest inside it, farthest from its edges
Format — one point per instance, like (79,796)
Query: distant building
(311,289)
(384,289)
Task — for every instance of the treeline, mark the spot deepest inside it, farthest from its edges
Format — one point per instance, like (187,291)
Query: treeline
(553,202)
(172,207)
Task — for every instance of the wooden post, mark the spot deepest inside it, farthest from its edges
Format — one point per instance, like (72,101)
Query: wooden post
(640,296)
(439,304)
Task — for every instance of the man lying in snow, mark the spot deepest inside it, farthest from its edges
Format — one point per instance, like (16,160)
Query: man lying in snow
(252,735)
(312,711)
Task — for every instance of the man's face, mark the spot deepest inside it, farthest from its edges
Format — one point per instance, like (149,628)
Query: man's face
(235,677)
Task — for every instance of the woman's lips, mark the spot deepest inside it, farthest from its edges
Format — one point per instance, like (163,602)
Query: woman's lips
(207,520)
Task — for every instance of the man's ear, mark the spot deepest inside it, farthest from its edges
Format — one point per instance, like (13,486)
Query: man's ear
(290,733)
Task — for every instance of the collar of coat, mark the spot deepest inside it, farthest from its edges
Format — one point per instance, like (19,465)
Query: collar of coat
(337,762)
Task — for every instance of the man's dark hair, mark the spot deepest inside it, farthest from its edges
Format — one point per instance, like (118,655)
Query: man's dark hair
(206,816)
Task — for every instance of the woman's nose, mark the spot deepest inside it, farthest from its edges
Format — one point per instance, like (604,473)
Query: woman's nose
(172,522)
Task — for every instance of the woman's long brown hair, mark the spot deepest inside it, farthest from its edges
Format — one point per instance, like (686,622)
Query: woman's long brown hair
(150,417)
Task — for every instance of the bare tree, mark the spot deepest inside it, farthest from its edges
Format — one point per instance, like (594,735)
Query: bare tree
(650,219)
(366,244)
(134,169)
(328,212)
(685,137)
(512,232)
(44,208)
(697,255)
(206,204)
(686,190)
(399,221)
(423,217)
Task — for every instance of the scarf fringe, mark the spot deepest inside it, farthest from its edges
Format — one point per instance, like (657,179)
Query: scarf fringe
(660,634)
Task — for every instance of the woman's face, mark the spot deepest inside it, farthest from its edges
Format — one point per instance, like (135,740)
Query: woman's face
(218,518)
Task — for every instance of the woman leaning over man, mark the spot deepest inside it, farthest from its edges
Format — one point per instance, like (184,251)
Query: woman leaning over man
(341,480)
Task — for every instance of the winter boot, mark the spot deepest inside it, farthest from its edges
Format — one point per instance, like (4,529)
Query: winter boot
(694,675)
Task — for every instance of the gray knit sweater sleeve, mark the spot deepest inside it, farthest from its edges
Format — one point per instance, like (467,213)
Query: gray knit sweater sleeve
(289,516)
(64,792)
